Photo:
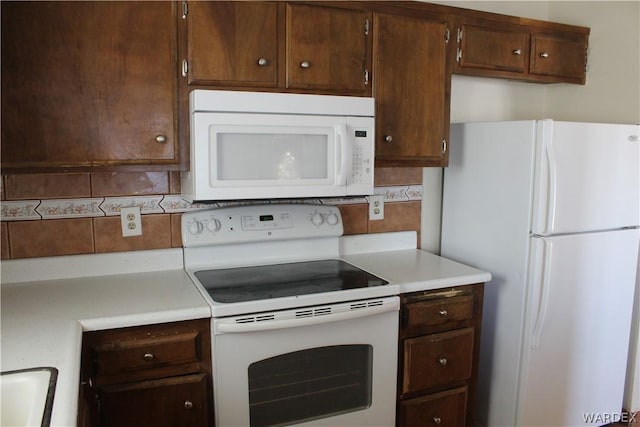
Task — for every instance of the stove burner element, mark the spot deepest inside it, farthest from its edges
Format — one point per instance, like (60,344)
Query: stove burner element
(240,284)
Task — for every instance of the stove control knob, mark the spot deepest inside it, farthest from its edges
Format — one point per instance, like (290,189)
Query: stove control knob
(196,227)
(317,219)
(332,219)
(214,225)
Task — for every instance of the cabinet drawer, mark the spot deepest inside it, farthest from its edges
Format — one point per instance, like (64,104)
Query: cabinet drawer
(445,409)
(437,360)
(153,352)
(438,311)
(166,349)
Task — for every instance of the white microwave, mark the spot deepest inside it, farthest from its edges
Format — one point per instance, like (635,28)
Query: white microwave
(258,145)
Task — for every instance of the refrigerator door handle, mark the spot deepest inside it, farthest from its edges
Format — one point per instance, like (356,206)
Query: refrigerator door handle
(547,249)
(553,187)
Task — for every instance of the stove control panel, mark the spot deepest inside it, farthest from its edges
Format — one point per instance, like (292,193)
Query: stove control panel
(255,223)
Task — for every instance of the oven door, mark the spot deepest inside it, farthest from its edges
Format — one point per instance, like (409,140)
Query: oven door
(332,365)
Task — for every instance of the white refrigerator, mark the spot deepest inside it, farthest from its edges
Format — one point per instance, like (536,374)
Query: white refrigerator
(552,210)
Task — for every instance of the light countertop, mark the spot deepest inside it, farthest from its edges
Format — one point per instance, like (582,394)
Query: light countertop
(43,320)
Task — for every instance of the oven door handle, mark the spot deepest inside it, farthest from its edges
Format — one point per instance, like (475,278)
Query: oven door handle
(265,325)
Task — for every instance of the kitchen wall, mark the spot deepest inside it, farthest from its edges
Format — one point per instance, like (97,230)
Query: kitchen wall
(611,94)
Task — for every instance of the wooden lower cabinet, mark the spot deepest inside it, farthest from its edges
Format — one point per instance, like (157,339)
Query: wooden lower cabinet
(177,401)
(444,409)
(438,356)
(157,375)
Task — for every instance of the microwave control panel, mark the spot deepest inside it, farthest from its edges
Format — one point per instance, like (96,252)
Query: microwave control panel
(363,151)
(362,169)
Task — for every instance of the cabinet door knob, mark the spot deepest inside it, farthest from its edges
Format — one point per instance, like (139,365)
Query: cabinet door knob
(188,404)
(442,361)
(517,51)
(305,64)
(161,139)
(437,420)
(443,312)
(262,62)
(388,138)
(148,357)
(544,55)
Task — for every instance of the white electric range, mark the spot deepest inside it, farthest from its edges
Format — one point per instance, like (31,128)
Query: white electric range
(300,337)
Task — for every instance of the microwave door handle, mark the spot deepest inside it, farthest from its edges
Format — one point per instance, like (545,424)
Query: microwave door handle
(343,154)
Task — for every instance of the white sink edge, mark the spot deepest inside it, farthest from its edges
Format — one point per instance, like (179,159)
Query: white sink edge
(27,396)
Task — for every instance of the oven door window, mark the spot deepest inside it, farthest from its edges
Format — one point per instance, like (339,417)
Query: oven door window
(310,384)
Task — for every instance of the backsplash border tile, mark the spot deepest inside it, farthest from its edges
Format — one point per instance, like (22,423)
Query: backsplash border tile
(70,208)
(19,210)
(92,207)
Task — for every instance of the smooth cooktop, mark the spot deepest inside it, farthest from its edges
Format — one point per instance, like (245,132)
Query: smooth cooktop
(229,285)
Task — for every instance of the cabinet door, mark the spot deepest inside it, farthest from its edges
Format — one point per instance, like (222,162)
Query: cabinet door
(327,49)
(446,409)
(493,49)
(232,43)
(412,86)
(170,402)
(88,83)
(555,56)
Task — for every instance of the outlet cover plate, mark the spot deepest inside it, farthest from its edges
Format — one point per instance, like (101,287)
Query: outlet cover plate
(376,207)
(130,220)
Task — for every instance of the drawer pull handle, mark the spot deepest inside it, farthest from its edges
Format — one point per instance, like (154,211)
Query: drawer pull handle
(263,62)
(148,357)
(388,138)
(188,404)
(442,361)
(305,64)
(443,312)
(544,55)
(437,420)
(517,51)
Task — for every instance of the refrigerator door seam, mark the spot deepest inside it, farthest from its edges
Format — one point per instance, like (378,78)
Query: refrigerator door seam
(544,292)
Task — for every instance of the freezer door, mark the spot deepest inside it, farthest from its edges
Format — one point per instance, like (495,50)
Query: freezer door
(578,320)
(587,177)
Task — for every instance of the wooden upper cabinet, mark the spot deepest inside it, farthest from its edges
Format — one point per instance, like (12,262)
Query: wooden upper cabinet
(493,49)
(88,84)
(232,43)
(278,46)
(411,89)
(522,49)
(327,48)
(558,56)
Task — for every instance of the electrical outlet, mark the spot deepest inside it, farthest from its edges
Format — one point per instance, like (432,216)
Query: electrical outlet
(130,220)
(376,207)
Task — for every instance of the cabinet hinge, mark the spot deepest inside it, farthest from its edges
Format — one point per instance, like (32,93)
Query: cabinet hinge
(185,10)
(459,36)
(447,35)
(366,77)
(185,68)
(458,54)
(366,27)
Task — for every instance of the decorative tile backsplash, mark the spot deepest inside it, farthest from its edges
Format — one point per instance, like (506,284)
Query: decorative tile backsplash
(21,210)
